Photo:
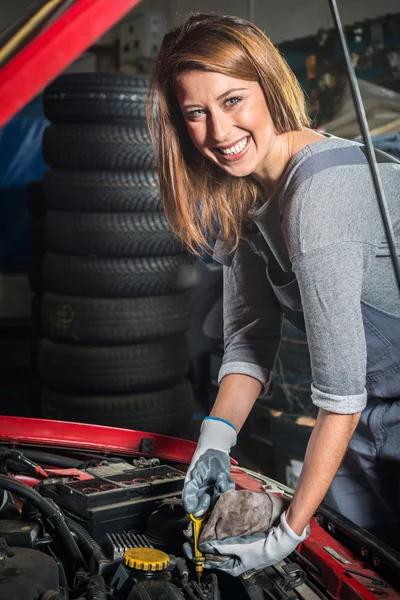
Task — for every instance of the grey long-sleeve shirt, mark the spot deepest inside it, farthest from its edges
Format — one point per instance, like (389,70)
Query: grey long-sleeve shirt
(336,244)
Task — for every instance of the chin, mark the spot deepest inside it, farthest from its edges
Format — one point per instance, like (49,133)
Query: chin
(238,171)
(233,170)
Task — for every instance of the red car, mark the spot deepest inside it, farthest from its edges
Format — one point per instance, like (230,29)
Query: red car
(94,512)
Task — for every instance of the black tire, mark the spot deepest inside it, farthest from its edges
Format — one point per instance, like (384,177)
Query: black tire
(113,369)
(110,234)
(113,321)
(166,411)
(122,146)
(102,191)
(35,199)
(117,277)
(91,97)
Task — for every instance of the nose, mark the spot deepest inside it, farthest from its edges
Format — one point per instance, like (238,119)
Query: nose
(219,127)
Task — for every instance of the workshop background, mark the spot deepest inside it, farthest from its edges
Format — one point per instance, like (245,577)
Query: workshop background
(103,317)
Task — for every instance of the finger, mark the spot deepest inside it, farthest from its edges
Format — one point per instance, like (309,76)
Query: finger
(188,551)
(226,547)
(221,485)
(224,482)
(210,547)
(203,506)
(200,472)
(188,532)
(196,504)
(190,496)
(194,485)
(221,565)
(232,546)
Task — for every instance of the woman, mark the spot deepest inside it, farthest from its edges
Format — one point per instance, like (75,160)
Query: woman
(298,229)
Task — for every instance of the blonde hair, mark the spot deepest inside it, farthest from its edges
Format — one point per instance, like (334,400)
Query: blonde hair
(200,199)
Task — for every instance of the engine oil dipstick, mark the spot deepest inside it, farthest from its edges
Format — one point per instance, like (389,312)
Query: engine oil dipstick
(198,556)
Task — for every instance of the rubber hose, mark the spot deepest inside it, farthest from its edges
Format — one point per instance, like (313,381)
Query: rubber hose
(182,569)
(52,513)
(188,592)
(88,545)
(51,459)
(214,582)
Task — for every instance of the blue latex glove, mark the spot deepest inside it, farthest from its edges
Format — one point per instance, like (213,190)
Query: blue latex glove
(253,552)
(208,475)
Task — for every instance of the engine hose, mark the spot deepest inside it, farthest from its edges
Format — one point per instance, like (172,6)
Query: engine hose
(88,545)
(20,459)
(50,512)
(214,584)
(54,460)
(188,592)
(182,569)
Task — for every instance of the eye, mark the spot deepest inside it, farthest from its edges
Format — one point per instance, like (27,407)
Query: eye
(232,101)
(194,114)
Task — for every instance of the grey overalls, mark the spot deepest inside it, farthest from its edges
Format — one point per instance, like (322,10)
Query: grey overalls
(367,486)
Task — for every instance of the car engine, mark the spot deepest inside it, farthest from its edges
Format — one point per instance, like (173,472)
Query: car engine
(111,530)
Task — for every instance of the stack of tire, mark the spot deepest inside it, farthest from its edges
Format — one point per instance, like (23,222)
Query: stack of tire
(115,283)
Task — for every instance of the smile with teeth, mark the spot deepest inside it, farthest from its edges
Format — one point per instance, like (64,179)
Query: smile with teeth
(236,148)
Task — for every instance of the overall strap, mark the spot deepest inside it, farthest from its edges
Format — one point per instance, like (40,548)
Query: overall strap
(336,157)
(268,220)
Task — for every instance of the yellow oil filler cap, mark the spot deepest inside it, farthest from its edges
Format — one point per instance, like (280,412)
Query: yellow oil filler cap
(146,559)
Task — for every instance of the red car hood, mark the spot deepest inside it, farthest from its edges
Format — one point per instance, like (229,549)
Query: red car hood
(45,56)
(21,430)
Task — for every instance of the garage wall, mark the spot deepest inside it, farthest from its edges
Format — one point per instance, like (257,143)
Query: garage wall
(290,19)
(286,19)
(282,21)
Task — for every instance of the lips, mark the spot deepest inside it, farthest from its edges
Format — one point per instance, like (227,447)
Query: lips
(234,152)
(234,148)
(228,146)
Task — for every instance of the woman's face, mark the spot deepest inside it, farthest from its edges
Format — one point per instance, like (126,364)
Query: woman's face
(227,119)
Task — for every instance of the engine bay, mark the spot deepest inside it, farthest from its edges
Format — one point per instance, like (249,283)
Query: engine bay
(105,529)
(79,525)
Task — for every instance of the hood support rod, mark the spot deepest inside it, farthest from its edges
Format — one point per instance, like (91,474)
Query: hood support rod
(369,149)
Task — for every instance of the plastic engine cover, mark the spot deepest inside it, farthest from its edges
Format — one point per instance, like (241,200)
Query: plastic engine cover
(155,590)
(26,573)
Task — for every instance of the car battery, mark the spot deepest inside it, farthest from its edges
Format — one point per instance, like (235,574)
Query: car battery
(115,498)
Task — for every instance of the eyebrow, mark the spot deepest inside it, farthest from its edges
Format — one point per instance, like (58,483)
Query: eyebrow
(186,106)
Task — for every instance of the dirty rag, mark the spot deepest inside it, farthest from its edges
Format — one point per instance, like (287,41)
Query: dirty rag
(239,513)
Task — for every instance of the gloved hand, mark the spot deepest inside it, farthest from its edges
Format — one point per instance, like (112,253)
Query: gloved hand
(253,552)
(208,475)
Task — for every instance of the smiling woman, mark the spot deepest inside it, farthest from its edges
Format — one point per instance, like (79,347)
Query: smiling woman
(220,96)
(300,234)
